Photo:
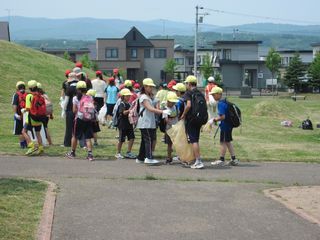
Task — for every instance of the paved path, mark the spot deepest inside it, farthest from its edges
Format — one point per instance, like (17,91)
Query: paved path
(108,199)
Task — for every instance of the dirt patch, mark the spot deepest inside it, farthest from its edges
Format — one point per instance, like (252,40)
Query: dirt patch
(304,201)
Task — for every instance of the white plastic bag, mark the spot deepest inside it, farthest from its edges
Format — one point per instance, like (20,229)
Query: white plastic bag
(180,142)
(102,115)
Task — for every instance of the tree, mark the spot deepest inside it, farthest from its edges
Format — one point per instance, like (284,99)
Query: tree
(67,56)
(206,68)
(273,62)
(88,63)
(218,79)
(294,72)
(314,71)
(170,67)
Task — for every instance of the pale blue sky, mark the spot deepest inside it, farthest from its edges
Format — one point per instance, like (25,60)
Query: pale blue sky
(303,12)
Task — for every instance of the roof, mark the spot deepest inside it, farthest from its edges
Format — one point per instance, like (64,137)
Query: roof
(237,42)
(135,38)
(295,51)
(315,44)
(4,31)
(61,50)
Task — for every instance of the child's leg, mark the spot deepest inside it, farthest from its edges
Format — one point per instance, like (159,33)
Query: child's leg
(223,150)
(169,150)
(26,136)
(74,143)
(89,145)
(95,137)
(48,136)
(130,144)
(119,146)
(230,148)
(39,138)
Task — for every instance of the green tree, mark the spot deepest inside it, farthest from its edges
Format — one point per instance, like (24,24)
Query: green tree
(295,71)
(218,78)
(67,56)
(273,62)
(170,67)
(314,71)
(206,68)
(86,62)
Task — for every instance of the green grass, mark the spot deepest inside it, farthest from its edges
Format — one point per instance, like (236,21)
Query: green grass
(21,203)
(261,137)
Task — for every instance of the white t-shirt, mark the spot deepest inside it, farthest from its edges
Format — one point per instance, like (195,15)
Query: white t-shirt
(148,119)
(99,86)
(75,101)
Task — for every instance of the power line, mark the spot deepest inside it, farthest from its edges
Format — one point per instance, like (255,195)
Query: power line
(261,17)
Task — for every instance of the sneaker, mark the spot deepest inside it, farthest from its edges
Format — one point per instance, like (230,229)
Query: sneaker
(218,163)
(139,161)
(130,155)
(151,161)
(40,150)
(31,151)
(176,159)
(197,165)
(90,157)
(119,156)
(234,162)
(71,155)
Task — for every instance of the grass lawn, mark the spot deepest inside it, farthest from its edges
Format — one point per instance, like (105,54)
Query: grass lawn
(261,137)
(21,203)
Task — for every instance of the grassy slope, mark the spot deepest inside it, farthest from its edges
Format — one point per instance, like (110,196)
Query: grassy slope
(262,137)
(21,203)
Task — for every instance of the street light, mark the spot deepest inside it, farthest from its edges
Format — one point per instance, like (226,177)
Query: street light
(198,20)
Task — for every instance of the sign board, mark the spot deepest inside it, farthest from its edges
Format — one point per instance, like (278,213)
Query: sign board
(271,81)
(260,75)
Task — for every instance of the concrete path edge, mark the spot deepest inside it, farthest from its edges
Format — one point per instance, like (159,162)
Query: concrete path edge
(269,193)
(46,222)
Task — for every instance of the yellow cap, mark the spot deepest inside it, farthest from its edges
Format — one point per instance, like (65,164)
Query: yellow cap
(216,90)
(19,84)
(81,84)
(180,87)
(91,92)
(125,92)
(191,79)
(39,85)
(172,97)
(128,83)
(148,82)
(32,84)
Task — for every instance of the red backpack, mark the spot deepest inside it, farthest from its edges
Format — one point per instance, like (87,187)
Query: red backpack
(21,100)
(38,107)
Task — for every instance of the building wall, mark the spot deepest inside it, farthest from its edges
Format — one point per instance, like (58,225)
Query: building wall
(240,52)
(4,31)
(103,44)
(305,57)
(316,49)
(232,75)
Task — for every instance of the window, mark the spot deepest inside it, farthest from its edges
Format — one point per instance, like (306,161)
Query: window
(112,53)
(160,53)
(226,54)
(190,61)
(133,53)
(147,53)
(179,61)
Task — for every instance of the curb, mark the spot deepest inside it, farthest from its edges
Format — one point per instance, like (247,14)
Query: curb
(269,193)
(46,222)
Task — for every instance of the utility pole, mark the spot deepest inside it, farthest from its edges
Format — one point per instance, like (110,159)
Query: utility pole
(234,33)
(196,43)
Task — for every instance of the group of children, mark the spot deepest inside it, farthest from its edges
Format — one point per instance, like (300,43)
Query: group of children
(32,111)
(126,109)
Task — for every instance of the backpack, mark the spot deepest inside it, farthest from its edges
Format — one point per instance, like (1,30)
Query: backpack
(38,107)
(21,100)
(115,114)
(87,108)
(134,112)
(199,111)
(234,115)
(49,105)
(307,124)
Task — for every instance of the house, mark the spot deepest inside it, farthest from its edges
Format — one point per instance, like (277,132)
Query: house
(316,48)
(75,54)
(4,31)
(240,65)
(184,58)
(286,56)
(136,55)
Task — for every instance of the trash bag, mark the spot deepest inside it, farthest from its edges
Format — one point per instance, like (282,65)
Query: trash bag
(102,114)
(180,142)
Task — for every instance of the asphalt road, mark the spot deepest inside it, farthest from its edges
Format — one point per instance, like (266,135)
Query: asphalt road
(109,199)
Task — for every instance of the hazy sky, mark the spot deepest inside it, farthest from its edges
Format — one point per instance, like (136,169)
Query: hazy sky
(303,12)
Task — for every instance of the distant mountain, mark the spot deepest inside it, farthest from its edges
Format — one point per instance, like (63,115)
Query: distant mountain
(25,28)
